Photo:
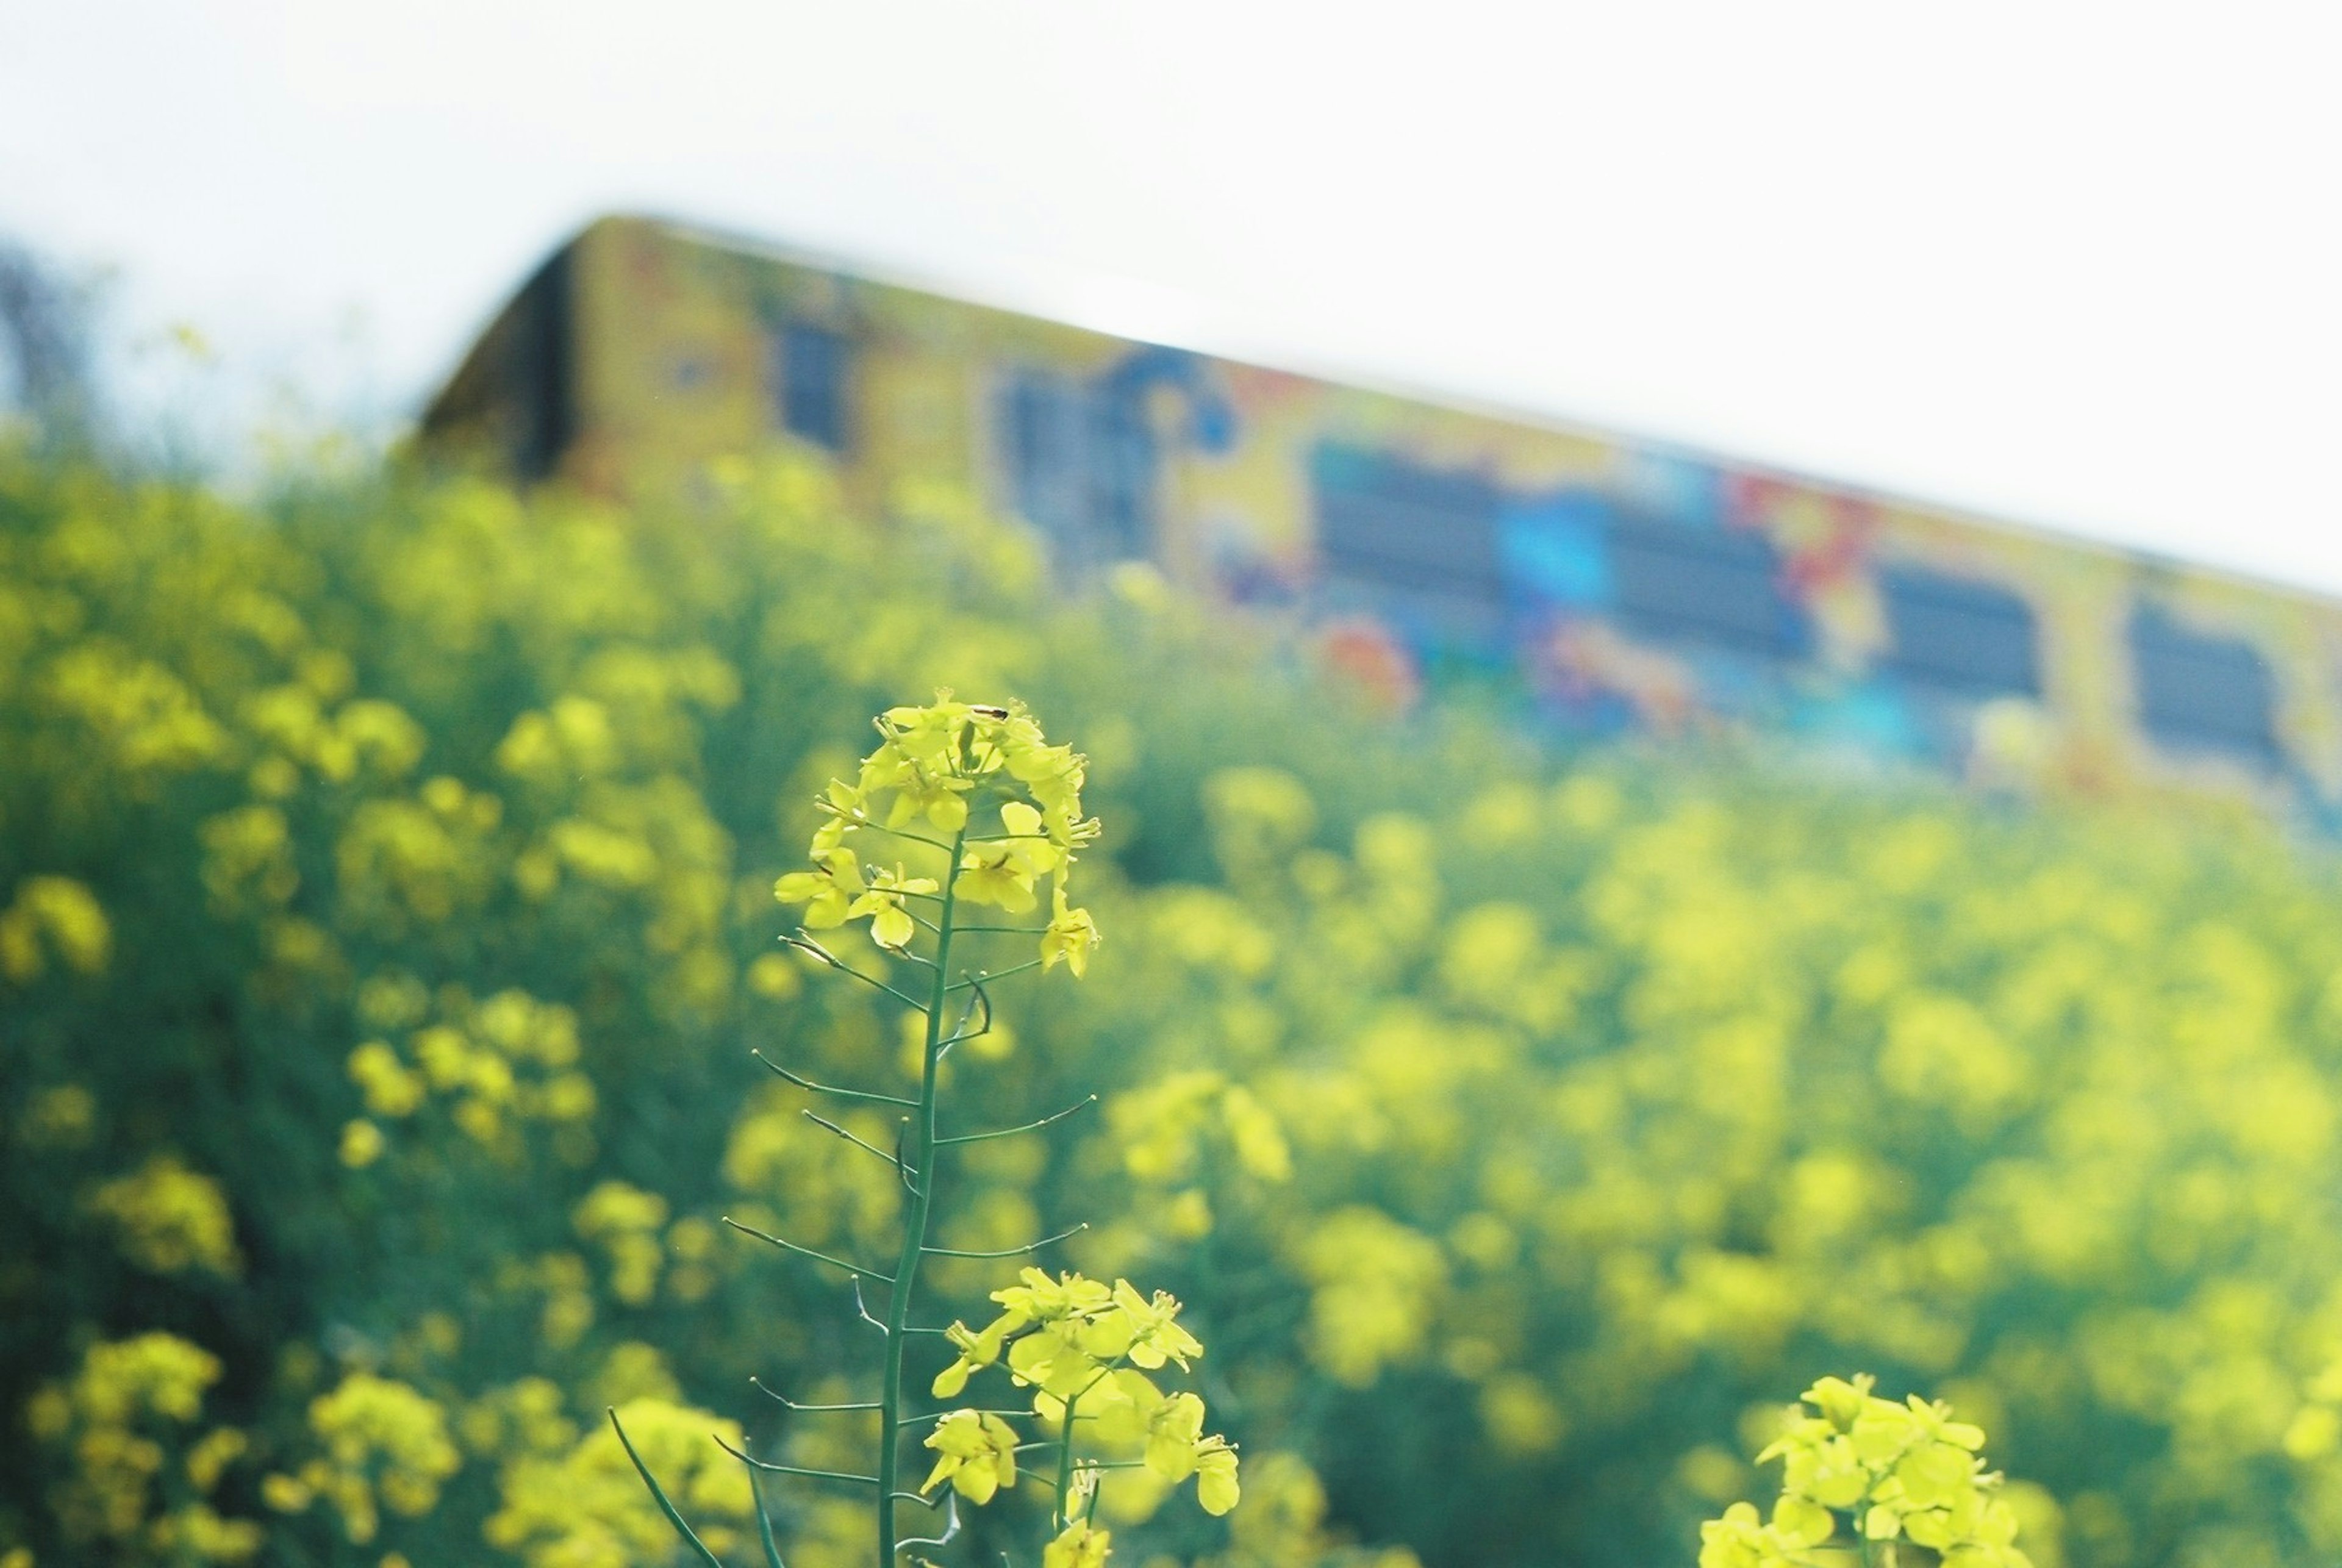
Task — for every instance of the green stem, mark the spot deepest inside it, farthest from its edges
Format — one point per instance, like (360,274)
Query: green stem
(1066,1465)
(915,1220)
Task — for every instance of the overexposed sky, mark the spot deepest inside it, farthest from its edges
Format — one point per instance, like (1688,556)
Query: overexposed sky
(2075,265)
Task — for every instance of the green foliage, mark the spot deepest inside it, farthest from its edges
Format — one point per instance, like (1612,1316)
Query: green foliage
(385,919)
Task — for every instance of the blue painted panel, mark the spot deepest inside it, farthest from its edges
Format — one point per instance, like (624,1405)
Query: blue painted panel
(1552,549)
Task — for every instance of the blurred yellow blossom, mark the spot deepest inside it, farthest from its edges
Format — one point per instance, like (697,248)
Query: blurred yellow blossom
(171,1219)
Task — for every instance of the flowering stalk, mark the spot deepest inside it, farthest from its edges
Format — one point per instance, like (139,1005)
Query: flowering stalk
(1896,1474)
(916,1209)
(1076,1344)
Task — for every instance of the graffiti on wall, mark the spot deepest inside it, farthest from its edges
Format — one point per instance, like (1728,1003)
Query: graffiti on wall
(1625,588)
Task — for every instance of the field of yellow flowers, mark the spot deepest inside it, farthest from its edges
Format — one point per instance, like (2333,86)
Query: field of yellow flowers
(386,920)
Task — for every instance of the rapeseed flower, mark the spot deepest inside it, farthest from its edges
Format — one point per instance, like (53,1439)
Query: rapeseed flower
(933,762)
(891,924)
(1078,1545)
(1216,1488)
(1904,1471)
(1085,1348)
(976,1352)
(829,892)
(1070,937)
(977,1455)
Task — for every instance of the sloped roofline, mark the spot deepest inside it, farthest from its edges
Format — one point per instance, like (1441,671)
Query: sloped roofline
(886,274)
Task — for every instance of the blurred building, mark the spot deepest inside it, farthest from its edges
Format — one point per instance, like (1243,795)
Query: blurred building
(1631,586)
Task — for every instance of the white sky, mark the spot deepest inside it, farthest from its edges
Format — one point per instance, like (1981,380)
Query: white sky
(2076,265)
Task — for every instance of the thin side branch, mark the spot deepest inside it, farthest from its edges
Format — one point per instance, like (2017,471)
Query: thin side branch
(795,1470)
(863,1312)
(829,1088)
(979,999)
(951,1524)
(894,1160)
(1027,1127)
(792,1404)
(913,837)
(855,1269)
(1007,1251)
(805,943)
(901,1162)
(986,978)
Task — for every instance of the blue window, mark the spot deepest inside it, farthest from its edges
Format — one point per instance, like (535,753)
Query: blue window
(2197,693)
(1719,586)
(1417,542)
(811,371)
(1957,635)
(1082,462)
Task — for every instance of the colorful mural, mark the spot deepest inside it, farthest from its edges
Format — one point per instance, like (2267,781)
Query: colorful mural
(1627,586)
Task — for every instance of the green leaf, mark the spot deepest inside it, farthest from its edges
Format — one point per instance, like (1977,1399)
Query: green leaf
(764,1524)
(665,1507)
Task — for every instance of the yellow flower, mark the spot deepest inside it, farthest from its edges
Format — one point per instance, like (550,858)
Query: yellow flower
(1116,1410)
(828,893)
(1041,1299)
(374,1427)
(842,804)
(1798,1523)
(285,1493)
(172,1219)
(1215,1476)
(1077,1546)
(977,1455)
(1906,1472)
(219,1448)
(942,799)
(1052,1360)
(1736,1540)
(1935,1474)
(1071,935)
(976,1352)
(891,924)
(1884,1430)
(1174,1430)
(1828,1472)
(1003,871)
(1156,1336)
(361,1143)
(933,739)
(1053,775)
(1841,1401)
